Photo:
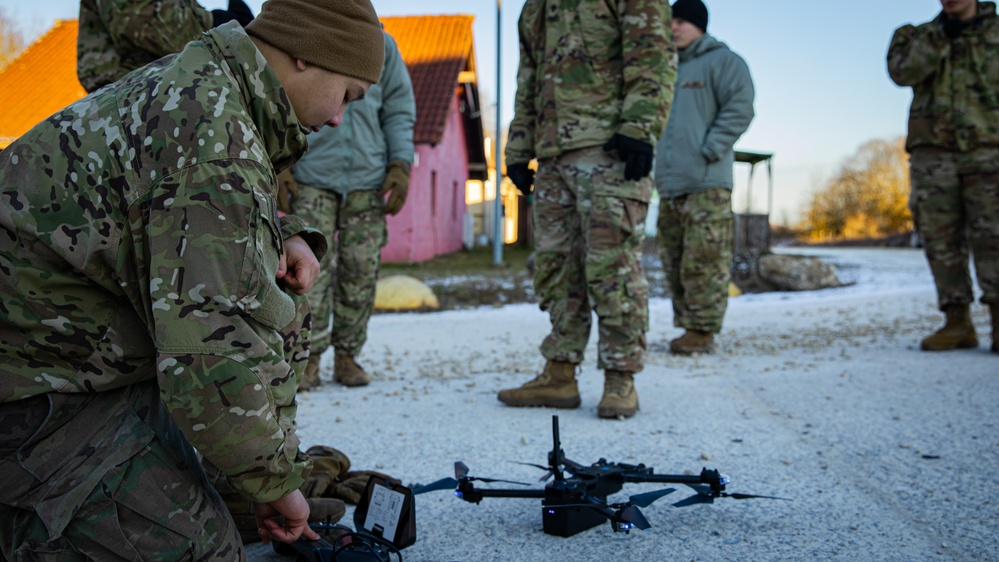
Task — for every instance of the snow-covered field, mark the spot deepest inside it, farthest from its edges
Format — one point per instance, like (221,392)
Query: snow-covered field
(887,452)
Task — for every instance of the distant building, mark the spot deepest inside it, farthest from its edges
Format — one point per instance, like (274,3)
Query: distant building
(39,82)
(440,54)
(450,159)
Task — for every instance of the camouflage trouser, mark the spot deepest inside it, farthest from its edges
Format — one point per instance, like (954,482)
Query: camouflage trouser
(355,227)
(695,241)
(105,476)
(588,258)
(109,476)
(955,204)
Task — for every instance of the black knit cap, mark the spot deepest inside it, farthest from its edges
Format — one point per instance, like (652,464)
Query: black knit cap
(693,11)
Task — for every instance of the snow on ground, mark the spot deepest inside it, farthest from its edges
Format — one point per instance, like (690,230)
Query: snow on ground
(887,452)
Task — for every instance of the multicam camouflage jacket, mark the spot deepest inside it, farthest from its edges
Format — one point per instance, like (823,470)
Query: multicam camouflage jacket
(590,69)
(955,83)
(139,239)
(118,36)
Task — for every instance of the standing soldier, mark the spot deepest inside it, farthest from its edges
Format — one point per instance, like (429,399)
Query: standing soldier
(339,187)
(145,315)
(953,143)
(118,36)
(593,94)
(713,107)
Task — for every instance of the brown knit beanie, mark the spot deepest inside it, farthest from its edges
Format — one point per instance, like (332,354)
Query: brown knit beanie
(342,36)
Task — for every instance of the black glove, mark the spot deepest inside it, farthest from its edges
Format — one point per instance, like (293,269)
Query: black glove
(521,176)
(636,155)
(238,11)
(953,28)
(241,12)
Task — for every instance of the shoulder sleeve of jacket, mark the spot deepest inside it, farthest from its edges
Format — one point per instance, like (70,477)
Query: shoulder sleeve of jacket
(219,321)
(734,94)
(520,136)
(292,225)
(914,53)
(161,27)
(398,112)
(649,65)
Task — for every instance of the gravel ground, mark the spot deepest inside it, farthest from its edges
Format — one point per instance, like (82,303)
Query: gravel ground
(886,452)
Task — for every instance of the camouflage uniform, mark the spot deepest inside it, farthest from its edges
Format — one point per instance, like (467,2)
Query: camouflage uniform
(345,287)
(338,179)
(138,267)
(118,36)
(590,69)
(694,159)
(953,142)
(695,239)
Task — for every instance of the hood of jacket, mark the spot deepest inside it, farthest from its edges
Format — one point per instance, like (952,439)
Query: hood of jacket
(704,45)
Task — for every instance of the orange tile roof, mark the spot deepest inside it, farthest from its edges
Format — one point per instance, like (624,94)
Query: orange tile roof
(39,82)
(436,49)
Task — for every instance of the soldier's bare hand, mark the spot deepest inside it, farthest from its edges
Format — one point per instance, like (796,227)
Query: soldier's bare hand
(299,267)
(295,512)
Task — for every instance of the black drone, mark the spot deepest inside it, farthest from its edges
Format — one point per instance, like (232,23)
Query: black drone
(577,502)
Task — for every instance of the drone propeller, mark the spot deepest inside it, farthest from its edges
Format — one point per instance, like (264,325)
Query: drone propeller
(633,515)
(547,469)
(460,473)
(442,484)
(646,499)
(705,495)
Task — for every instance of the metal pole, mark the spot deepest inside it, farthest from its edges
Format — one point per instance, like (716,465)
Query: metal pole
(497,201)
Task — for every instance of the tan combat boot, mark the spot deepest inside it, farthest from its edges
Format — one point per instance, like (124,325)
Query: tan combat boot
(994,310)
(555,387)
(620,399)
(310,379)
(693,341)
(347,372)
(957,333)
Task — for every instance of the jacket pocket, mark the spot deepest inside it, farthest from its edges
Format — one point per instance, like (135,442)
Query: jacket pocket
(264,300)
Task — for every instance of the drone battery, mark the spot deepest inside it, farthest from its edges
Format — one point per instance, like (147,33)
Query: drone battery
(567,521)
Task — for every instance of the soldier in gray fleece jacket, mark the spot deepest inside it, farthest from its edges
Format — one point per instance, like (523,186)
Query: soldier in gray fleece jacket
(713,107)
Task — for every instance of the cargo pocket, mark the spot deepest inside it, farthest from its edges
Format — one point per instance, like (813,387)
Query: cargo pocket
(263,299)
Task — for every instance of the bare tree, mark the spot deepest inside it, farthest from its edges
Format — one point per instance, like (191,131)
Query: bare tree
(868,196)
(11,38)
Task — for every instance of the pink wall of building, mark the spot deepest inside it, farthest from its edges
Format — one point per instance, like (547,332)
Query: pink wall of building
(430,224)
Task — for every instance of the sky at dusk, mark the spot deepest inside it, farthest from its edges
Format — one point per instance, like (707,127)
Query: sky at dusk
(822,89)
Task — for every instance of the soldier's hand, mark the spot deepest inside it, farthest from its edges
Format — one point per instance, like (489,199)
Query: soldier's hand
(636,155)
(521,176)
(396,182)
(299,267)
(295,511)
(287,191)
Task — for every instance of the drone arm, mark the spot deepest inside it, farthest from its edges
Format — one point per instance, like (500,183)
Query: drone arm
(468,492)
(492,493)
(713,478)
(664,478)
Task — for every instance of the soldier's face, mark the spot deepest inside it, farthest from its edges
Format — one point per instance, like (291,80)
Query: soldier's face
(685,33)
(320,96)
(959,9)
